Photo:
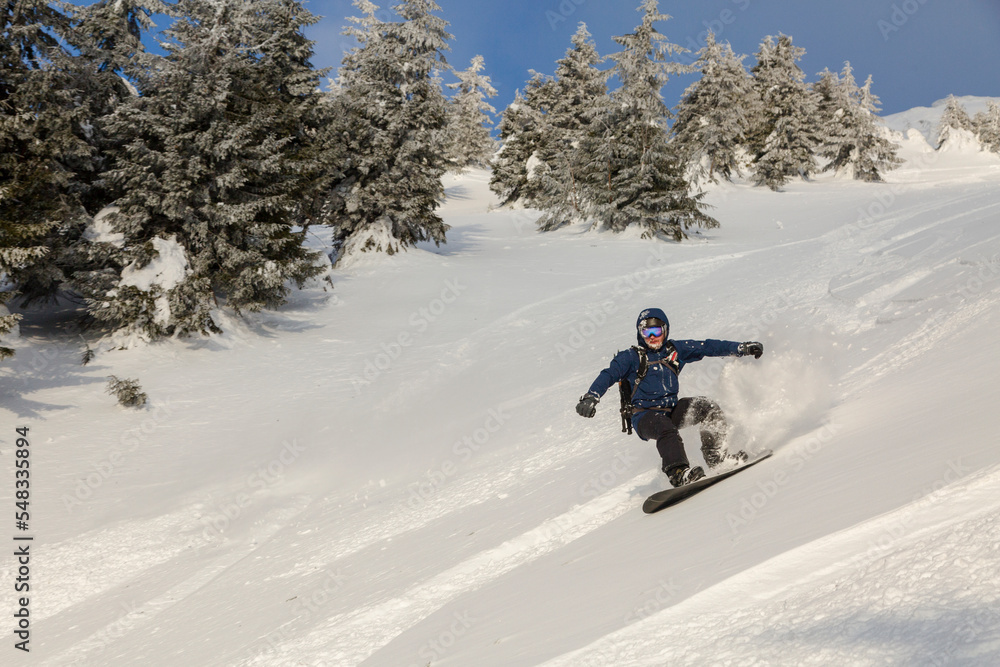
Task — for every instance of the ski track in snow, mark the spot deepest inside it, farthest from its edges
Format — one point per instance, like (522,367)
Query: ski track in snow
(939,606)
(91,564)
(356,533)
(676,274)
(138,616)
(351,638)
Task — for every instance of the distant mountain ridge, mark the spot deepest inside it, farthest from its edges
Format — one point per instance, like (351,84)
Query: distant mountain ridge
(926,119)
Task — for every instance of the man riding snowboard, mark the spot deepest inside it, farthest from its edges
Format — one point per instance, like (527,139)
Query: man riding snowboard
(657,413)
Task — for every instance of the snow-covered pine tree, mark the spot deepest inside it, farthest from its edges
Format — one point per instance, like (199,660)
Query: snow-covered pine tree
(108,36)
(217,166)
(715,114)
(110,33)
(633,176)
(127,391)
(874,151)
(43,117)
(523,129)
(836,100)
(508,172)
(469,141)
(987,124)
(785,139)
(955,117)
(853,137)
(8,323)
(395,130)
(579,96)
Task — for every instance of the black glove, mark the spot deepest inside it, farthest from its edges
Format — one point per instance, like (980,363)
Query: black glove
(751,347)
(587,407)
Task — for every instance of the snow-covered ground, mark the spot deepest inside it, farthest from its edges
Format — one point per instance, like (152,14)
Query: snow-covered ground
(389,470)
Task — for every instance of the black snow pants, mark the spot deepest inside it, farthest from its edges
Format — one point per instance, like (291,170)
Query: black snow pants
(662,427)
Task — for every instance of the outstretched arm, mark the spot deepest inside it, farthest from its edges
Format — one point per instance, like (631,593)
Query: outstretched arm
(619,368)
(696,350)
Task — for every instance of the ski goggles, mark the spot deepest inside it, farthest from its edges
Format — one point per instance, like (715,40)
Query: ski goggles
(651,332)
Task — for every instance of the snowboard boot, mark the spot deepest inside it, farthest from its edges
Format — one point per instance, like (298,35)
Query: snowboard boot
(679,475)
(714,459)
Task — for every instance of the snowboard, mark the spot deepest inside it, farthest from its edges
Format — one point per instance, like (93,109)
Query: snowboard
(663,499)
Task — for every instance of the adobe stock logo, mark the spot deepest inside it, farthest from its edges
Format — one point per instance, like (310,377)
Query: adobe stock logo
(419,321)
(566,9)
(900,16)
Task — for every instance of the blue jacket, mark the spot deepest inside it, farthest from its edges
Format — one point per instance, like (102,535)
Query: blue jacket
(660,386)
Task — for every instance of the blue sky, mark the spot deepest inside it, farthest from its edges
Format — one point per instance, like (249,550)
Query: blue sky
(918,51)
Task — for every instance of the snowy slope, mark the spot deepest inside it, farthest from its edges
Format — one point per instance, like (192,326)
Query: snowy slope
(926,120)
(389,470)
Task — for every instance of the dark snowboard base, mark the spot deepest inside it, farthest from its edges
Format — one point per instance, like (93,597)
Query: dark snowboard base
(664,499)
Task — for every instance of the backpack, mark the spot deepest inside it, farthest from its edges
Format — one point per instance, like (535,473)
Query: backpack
(625,390)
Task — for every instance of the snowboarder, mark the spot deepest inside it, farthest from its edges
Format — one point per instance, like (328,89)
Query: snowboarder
(657,413)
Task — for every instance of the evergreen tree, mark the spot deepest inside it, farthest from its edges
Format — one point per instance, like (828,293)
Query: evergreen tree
(521,128)
(784,141)
(542,95)
(987,124)
(110,33)
(874,151)
(955,117)
(61,77)
(519,170)
(8,324)
(579,96)
(716,113)
(508,173)
(854,138)
(218,170)
(837,97)
(395,131)
(108,36)
(42,119)
(633,176)
(470,142)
